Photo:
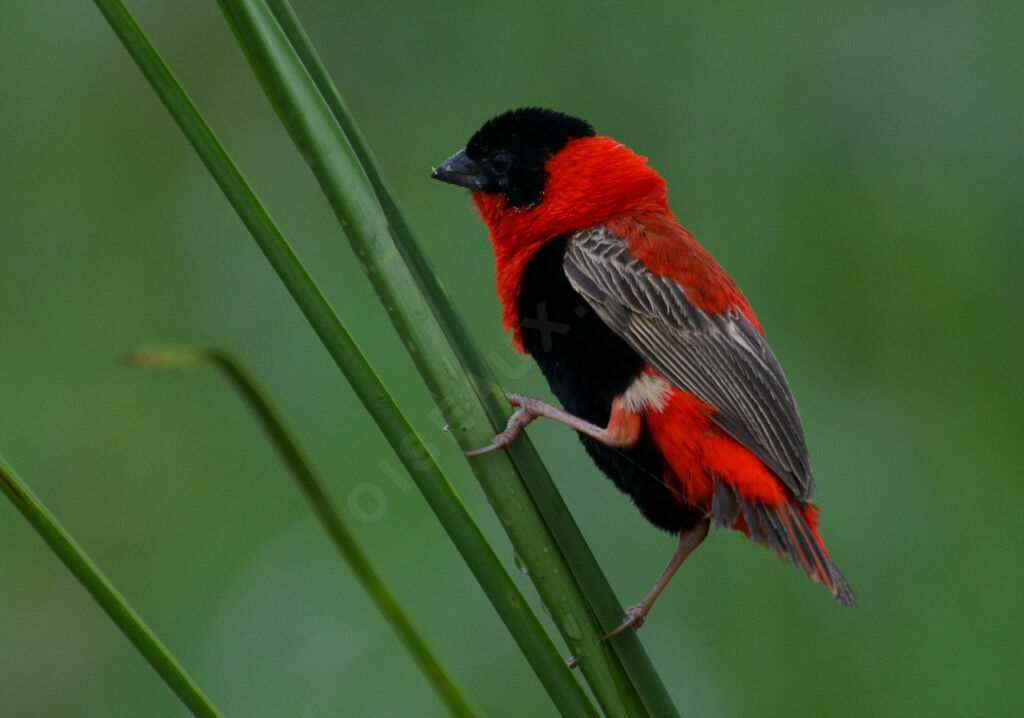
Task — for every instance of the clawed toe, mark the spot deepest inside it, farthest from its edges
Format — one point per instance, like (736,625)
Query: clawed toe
(516,423)
(498,442)
(634,617)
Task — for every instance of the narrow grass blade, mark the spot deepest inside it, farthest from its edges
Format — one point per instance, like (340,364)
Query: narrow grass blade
(104,593)
(522,624)
(593,582)
(313,488)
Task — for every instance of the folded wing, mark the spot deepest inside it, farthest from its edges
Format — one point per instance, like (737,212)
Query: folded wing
(720,358)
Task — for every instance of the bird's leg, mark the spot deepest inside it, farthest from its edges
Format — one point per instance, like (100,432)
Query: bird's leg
(622,431)
(688,541)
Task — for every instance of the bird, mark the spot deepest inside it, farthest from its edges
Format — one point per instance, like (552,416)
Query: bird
(654,353)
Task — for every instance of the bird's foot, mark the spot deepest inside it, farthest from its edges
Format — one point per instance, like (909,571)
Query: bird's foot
(519,420)
(622,432)
(634,617)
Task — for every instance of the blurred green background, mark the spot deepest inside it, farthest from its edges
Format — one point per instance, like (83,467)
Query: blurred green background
(857,167)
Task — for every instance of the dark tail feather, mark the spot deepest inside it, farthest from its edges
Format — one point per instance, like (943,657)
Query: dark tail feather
(724,506)
(841,589)
(784,529)
(802,543)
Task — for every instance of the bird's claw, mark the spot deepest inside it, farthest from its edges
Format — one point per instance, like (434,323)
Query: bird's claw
(633,617)
(516,423)
(498,442)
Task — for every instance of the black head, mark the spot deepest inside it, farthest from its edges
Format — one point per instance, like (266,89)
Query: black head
(507,155)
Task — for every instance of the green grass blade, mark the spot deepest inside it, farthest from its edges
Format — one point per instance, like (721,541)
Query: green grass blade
(522,624)
(312,487)
(592,580)
(336,166)
(104,593)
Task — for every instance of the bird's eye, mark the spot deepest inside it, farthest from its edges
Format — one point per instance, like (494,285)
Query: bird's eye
(500,162)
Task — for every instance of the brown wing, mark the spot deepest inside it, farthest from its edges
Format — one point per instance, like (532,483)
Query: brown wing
(720,358)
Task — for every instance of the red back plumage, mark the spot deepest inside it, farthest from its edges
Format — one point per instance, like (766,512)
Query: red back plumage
(598,181)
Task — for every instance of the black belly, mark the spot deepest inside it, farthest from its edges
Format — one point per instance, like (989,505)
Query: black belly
(587,365)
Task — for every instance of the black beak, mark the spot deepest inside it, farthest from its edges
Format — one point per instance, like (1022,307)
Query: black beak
(460,170)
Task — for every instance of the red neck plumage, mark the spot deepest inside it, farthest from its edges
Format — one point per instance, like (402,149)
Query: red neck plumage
(577,195)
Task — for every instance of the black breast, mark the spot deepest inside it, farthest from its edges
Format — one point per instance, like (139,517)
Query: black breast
(587,365)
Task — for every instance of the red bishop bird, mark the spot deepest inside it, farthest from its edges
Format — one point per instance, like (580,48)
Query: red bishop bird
(651,348)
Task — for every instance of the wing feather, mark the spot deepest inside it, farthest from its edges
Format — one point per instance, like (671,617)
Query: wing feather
(720,358)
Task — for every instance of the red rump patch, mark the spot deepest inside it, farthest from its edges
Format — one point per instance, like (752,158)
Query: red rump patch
(697,450)
(698,455)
